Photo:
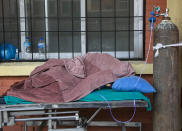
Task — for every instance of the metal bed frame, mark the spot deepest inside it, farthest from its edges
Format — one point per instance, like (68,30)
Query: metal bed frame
(49,114)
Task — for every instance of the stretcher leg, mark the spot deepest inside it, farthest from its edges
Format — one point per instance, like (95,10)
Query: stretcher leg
(1,128)
(141,127)
(123,128)
(50,121)
(25,126)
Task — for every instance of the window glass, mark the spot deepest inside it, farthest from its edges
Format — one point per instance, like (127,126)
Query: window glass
(74,27)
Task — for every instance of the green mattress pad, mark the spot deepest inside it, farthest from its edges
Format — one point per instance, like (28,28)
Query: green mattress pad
(112,95)
(97,95)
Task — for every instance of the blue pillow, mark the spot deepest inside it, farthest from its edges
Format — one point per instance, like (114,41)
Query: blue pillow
(133,83)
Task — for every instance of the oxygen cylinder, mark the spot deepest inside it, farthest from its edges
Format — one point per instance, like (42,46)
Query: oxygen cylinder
(166,78)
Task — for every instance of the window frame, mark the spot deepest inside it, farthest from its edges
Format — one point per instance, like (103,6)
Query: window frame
(139,38)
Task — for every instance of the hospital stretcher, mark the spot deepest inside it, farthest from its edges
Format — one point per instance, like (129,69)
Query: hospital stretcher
(38,114)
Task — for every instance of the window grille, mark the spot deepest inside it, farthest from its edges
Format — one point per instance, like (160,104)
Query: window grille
(71,28)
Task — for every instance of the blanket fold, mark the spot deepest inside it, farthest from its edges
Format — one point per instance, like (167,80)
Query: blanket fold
(65,80)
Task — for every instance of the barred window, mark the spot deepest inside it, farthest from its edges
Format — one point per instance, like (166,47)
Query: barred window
(71,28)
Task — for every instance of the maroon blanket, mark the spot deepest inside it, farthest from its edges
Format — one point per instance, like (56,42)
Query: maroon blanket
(66,80)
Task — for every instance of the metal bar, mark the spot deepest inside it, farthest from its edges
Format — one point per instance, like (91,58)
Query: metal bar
(25,113)
(83,26)
(25,126)
(129,28)
(100,25)
(124,58)
(17,28)
(47,27)
(123,54)
(78,31)
(69,129)
(24,16)
(1,119)
(111,123)
(72,21)
(58,7)
(5,117)
(66,112)
(115,28)
(31,26)
(48,118)
(93,116)
(144,30)
(40,113)
(3,27)
(136,42)
(63,17)
(86,17)
(77,116)
(138,24)
(96,104)
(54,122)
(123,128)
(22,23)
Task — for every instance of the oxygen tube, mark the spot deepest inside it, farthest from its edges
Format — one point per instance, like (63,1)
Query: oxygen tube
(152,19)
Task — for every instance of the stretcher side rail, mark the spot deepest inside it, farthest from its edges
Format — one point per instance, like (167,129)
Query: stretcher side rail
(95,104)
(8,113)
